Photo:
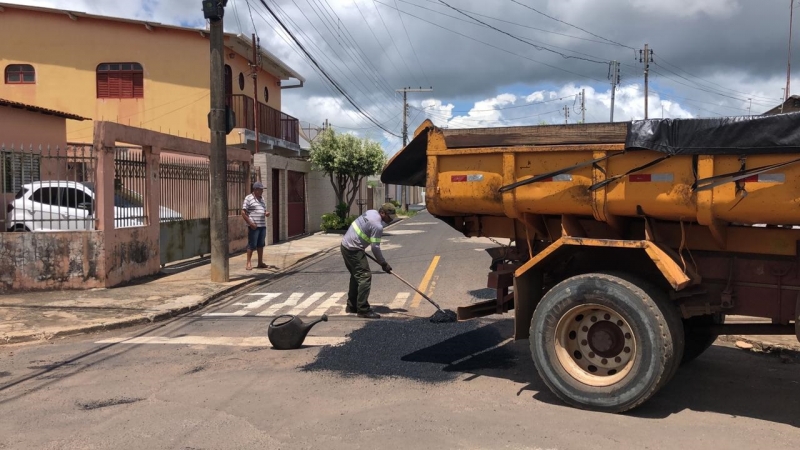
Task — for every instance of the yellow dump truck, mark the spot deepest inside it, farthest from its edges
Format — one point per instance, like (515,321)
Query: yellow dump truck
(631,241)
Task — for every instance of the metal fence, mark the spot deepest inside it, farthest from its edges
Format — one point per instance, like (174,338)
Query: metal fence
(48,188)
(185,185)
(130,189)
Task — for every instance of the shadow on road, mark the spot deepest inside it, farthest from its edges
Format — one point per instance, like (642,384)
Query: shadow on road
(723,380)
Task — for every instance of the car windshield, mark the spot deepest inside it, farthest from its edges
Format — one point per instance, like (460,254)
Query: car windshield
(21,192)
(123,198)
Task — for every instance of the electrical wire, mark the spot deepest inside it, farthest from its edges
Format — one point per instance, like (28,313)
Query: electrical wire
(435,2)
(525,41)
(293,46)
(571,25)
(494,46)
(661,58)
(325,74)
(411,44)
(394,44)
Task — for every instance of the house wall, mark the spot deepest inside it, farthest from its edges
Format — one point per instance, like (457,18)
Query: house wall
(65,54)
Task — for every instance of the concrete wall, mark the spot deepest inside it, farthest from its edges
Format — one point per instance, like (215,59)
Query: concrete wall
(55,260)
(65,54)
(320,198)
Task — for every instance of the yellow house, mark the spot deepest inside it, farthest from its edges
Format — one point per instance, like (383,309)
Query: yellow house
(142,74)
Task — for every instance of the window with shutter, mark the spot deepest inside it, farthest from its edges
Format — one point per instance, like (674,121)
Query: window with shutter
(120,80)
(19,169)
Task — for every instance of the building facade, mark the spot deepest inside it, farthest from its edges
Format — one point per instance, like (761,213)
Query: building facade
(140,74)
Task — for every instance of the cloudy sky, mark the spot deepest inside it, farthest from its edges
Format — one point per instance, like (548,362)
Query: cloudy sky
(505,62)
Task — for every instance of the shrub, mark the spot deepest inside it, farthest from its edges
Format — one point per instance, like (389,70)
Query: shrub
(349,220)
(341,210)
(331,221)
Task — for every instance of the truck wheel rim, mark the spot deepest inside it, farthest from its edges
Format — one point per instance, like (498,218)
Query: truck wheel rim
(595,345)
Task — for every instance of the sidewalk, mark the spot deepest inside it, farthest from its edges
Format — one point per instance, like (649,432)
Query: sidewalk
(178,289)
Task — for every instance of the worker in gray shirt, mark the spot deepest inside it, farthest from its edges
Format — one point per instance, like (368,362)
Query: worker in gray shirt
(364,232)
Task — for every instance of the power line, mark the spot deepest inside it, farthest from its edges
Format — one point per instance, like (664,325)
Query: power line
(252,21)
(703,89)
(435,2)
(661,58)
(236,13)
(361,54)
(355,2)
(537,47)
(331,80)
(293,45)
(411,44)
(366,90)
(571,25)
(393,42)
(494,46)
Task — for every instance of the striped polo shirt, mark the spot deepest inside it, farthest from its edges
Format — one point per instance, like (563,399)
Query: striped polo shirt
(366,231)
(255,209)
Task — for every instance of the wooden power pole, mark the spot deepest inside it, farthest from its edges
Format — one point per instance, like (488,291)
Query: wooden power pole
(218,200)
(646,58)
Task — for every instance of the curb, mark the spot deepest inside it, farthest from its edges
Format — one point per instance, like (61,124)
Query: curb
(153,318)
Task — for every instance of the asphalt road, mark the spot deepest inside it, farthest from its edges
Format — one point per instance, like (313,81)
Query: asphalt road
(208,380)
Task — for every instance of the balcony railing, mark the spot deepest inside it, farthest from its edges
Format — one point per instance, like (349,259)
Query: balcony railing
(271,122)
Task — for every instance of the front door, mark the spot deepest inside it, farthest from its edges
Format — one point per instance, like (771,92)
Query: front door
(276,205)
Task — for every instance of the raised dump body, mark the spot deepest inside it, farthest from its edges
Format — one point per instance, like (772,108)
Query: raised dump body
(622,230)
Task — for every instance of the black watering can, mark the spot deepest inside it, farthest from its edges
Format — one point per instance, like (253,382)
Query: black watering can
(288,332)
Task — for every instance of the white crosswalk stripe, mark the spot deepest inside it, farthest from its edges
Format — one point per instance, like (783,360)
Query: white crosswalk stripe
(399,301)
(291,301)
(297,310)
(327,304)
(315,305)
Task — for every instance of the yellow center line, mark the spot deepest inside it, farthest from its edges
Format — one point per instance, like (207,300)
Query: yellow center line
(423,286)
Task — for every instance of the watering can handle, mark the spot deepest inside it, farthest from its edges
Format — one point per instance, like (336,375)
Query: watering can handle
(281,316)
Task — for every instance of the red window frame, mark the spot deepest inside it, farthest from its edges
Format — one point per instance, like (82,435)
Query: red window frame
(22,71)
(120,80)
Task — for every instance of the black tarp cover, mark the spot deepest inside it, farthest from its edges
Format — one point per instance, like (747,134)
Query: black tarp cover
(745,135)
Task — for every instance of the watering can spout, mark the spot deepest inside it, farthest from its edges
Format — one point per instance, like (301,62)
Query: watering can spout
(288,332)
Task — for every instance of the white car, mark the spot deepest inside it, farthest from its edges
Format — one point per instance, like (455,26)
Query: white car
(69,205)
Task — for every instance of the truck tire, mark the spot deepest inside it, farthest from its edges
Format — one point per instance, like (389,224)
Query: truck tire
(606,342)
(697,340)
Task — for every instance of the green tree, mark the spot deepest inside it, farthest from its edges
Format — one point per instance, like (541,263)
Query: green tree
(346,159)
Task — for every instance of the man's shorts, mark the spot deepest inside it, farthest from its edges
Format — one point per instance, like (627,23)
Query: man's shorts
(256,238)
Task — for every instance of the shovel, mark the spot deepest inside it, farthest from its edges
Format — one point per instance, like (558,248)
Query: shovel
(441,315)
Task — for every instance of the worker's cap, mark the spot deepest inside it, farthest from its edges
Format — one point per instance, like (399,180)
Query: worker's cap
(257,185)
(390,211)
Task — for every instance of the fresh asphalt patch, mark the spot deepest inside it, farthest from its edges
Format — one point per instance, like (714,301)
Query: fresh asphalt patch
(419,350)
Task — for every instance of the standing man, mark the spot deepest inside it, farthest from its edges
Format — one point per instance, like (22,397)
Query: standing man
(254,213)
(365,231)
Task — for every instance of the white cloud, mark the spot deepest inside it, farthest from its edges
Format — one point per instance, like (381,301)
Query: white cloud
(718,9)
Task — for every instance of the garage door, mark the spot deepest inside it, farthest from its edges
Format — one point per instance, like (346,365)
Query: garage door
(296,199)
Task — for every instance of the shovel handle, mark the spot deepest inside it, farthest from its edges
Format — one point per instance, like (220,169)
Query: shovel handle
(408,284)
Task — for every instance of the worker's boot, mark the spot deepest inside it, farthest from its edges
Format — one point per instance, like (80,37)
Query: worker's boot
(369,315)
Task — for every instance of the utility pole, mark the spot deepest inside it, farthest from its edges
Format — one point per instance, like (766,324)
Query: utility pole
(789,58)
(255,66)
(214,10)
(613,75)
(583,105)
(646,57)
(749,106)
(566,114)
(405,91)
